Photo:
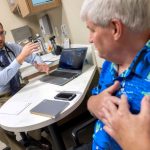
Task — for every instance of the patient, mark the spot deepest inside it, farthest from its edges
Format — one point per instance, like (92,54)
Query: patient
(121,35)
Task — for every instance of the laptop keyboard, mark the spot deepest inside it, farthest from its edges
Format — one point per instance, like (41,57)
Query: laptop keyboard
(63,74)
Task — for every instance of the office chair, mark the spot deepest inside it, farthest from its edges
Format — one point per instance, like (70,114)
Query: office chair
(75,135)
(29,141)
(24,141)
(83,126)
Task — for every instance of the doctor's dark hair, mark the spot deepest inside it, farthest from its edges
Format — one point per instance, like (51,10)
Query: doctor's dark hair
(1,25)
(135,14)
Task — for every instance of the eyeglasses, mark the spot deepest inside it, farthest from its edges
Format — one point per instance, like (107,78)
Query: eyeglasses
(2,33)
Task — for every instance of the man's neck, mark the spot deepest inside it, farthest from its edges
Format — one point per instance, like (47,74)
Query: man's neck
(136,41)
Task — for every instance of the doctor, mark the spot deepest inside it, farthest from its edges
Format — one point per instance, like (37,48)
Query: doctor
(12,56)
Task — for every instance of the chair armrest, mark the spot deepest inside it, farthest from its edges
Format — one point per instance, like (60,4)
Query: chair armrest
(76,130)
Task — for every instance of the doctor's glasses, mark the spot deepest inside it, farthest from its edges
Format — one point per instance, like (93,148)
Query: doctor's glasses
(2,33)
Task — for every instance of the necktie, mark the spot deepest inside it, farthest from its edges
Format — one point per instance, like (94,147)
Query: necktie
(14,82)
(3,59)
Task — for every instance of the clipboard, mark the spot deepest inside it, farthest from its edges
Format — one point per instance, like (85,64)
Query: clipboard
(49,108)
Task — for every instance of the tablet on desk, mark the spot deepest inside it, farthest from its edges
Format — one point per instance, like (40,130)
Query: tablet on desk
(49,108)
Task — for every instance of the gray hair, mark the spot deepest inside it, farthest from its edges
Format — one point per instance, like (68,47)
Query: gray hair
(135,14)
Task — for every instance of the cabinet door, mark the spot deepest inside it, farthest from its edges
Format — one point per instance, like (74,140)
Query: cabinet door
(23,8)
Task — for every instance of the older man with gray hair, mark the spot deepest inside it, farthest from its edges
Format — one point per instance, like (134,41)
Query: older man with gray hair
(120,31)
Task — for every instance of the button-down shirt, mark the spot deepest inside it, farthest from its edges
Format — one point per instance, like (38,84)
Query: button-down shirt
(135,83)
(7,73)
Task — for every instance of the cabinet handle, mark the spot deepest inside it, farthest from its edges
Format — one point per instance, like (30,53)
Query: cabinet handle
(18,10)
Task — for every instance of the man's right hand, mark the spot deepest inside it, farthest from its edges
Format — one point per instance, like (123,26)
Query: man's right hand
(27,50)
(131,131)
(97,102)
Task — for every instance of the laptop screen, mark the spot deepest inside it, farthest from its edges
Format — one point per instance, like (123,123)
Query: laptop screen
(72,58)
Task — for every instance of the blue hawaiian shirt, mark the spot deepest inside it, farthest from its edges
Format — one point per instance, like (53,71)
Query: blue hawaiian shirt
(135,83)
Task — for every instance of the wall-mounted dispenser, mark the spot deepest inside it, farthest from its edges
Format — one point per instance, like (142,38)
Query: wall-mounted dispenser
(45,25)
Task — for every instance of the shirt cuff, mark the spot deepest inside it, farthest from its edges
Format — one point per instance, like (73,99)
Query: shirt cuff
(37,59)
(15,64)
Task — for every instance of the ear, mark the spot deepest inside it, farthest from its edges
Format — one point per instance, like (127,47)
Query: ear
(117,28)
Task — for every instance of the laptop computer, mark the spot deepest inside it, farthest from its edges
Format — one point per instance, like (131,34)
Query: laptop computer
(70,66)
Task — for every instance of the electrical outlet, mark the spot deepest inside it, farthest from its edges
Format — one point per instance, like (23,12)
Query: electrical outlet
(64,30)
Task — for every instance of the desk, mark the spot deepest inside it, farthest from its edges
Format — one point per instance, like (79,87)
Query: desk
(28,69)
(35,92)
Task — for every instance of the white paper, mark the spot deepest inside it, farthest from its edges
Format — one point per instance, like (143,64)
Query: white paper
(14,108)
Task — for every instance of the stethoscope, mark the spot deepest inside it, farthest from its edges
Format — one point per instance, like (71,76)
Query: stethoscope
(9,52)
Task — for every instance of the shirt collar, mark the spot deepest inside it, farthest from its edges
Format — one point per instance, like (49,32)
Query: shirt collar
(138,65)
(3,48)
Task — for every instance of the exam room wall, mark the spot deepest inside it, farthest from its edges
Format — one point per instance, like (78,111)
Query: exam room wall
(68,14)
(71,17)
(11,21)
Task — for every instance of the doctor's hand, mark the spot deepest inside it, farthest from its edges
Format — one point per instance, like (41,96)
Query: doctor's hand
(42,67)
(129,130)
(27,50)
(97,102)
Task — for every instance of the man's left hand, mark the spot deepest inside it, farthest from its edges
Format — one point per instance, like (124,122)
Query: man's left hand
(42,67)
